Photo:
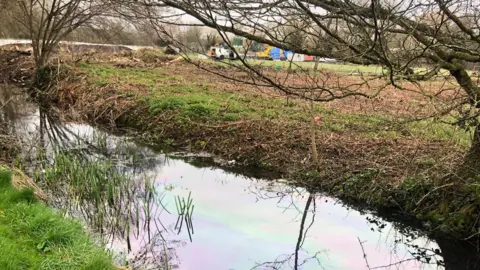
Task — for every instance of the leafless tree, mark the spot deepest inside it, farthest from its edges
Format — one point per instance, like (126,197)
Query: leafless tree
(100,29)
(193,36)
(410,41)
(9,28)
(211,39)
(47,22)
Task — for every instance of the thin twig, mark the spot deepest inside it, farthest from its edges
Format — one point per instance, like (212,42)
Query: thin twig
(363,251)
(433,190)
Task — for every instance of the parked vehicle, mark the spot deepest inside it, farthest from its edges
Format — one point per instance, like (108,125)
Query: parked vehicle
(221,53)
(265,54)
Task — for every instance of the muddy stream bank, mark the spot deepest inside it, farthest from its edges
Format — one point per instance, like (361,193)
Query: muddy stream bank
(186,212)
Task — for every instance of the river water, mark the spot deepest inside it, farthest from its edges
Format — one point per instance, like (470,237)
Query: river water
(236,222)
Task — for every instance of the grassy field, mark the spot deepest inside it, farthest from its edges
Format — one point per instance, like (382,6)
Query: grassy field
(32,236)
(336,67)
(205,101)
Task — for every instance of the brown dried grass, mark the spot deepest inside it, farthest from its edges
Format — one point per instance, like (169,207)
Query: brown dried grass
(22,181)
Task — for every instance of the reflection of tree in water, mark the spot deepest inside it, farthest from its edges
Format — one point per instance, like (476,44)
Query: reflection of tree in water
(292,261)
(13,104)
(449,255)
(122,204)
(109,183)
(7,104)
(126,207)
(297,263)
(8,142)
(12,107)
(17,115)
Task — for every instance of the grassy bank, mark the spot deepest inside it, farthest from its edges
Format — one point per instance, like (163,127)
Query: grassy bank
(208,102)
(32,236)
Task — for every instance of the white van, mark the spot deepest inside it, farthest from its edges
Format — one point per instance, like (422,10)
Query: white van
(220,53)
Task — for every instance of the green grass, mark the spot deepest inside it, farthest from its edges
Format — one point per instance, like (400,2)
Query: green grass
(304,65)
(216,106)
(105,74)
(349,68)
(33,236)
(337,67)
(434,130)
(203,102)
(310,65)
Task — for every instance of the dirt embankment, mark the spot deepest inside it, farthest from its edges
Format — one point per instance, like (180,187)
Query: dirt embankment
(402,173)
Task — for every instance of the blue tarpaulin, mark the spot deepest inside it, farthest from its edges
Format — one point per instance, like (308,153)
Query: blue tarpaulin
(278,54)
(275,53)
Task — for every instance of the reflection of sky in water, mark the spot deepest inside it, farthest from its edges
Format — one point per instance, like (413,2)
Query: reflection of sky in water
(236,230)
(236,227)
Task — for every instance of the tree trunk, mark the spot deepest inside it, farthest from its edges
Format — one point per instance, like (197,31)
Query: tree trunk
(471,166)
(474,153)
(314,137)
(317,60)
(42,79)
(458,254)
(41,61)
